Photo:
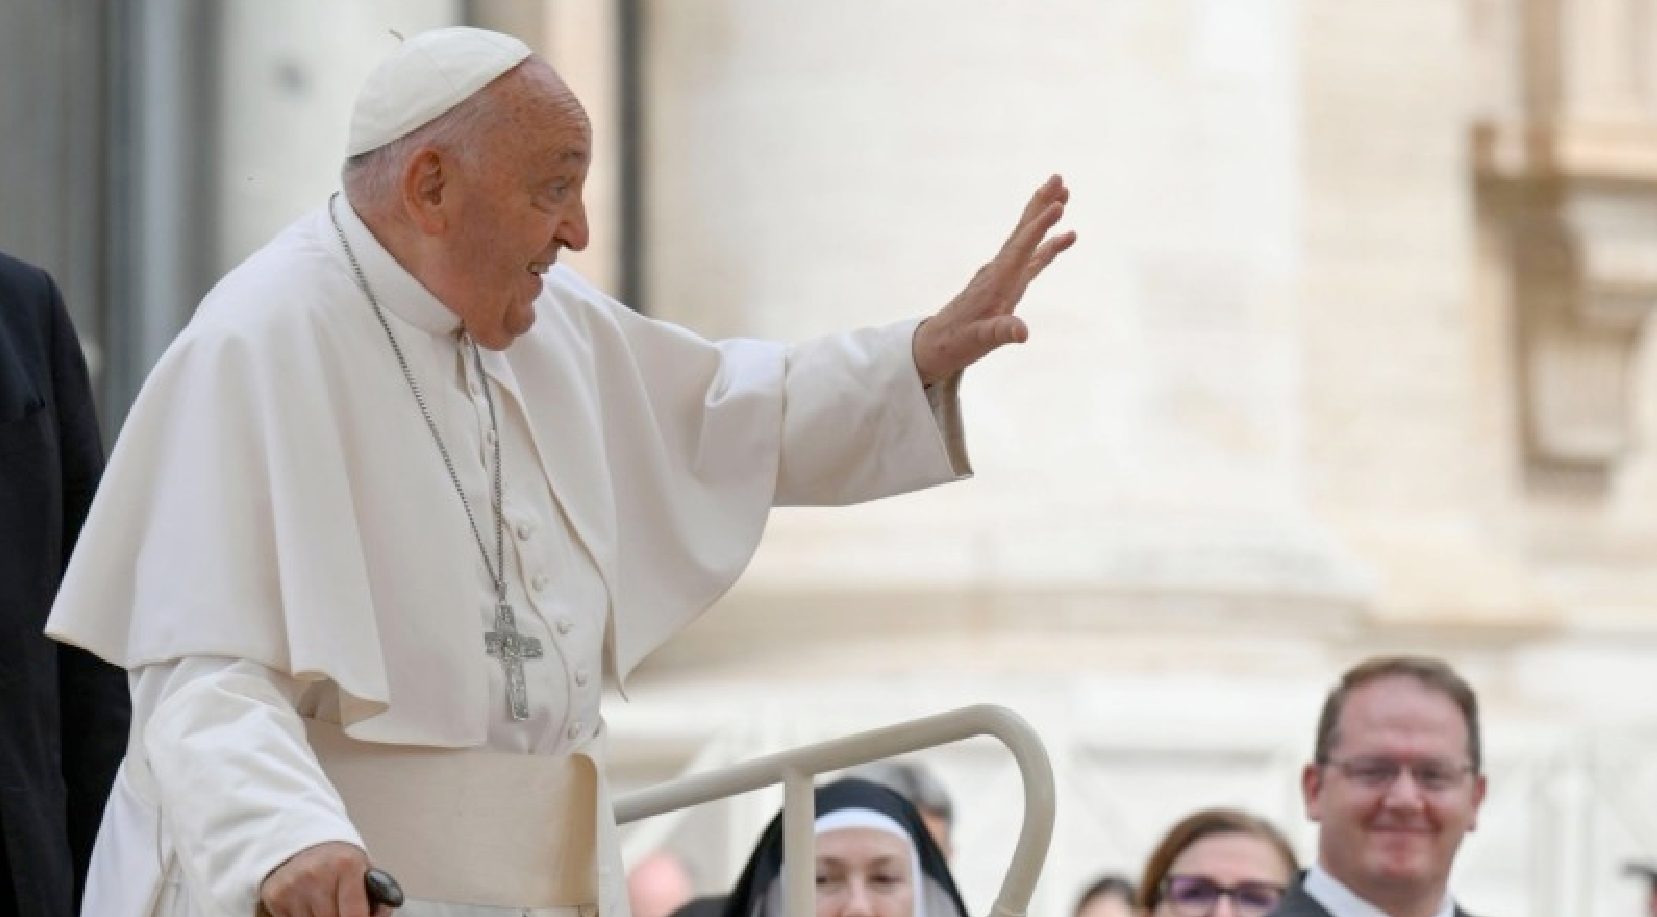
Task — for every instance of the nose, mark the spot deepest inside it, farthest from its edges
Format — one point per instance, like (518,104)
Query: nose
(572,230)
(858,901)
(1404,793)
(1224,907)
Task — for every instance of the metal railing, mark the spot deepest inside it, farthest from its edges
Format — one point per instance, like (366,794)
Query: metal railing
(795,768)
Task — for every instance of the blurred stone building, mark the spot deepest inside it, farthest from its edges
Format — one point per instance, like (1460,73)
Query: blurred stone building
(1350,359)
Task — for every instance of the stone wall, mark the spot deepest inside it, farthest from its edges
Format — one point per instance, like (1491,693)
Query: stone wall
(1277,413)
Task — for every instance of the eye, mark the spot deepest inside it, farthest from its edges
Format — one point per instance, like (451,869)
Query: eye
(1373,771)
(1258,896)
(1436,776)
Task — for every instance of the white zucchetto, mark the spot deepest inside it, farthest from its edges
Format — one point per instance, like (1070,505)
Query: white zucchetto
(426,76)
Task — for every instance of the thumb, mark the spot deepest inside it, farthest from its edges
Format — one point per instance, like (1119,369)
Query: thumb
(1003,329)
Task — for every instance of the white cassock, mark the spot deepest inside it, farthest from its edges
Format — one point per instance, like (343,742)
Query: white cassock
(276,535)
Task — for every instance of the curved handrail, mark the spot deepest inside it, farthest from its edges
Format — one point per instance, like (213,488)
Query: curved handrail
(795,767)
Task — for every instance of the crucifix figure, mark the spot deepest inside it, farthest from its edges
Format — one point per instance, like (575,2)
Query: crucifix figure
(512,648)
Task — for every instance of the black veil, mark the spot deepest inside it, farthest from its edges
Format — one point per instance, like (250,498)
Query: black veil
(758,893)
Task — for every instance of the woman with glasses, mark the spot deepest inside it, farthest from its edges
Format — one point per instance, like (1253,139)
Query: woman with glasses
(1218,862)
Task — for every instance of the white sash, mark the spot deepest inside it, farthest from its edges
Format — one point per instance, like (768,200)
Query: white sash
(470,826)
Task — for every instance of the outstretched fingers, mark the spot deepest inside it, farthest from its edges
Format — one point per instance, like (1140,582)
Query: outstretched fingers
(1025,255)
(1046,252)
(1021,245)
(980,319)
(1051,192)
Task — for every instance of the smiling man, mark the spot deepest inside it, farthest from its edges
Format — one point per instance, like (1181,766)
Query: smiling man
(1395,784)
(407,492)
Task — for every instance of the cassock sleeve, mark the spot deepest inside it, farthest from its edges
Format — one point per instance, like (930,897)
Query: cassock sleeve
(857,424)
(238,786)
(700,440)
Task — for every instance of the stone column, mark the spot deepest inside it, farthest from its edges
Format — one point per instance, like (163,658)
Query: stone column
(1142,462)
(1402,429)
(290,73)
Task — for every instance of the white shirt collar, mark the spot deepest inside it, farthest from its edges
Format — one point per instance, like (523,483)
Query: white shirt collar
(1341,901)
(398,291)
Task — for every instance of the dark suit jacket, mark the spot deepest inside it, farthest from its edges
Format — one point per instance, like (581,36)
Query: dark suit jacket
(1299,904)
(63,713)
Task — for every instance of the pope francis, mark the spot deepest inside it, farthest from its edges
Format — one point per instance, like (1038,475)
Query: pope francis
(405,493)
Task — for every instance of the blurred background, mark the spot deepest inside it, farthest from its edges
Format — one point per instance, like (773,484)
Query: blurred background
(1351,358)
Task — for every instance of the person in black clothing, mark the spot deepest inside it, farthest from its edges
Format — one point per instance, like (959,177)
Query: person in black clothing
(875,858)
(63,713)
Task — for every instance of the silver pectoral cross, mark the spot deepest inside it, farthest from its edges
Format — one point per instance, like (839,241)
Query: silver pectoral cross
(512,648)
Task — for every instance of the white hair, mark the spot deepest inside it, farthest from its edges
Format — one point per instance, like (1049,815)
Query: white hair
(371,178)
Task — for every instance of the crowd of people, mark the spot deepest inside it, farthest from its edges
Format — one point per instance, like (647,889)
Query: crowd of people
(1394,782)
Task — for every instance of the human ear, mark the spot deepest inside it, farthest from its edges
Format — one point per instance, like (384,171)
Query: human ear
(423,185)
(1311,791)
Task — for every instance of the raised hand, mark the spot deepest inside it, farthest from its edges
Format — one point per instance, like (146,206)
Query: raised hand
(321,881)
(981,318)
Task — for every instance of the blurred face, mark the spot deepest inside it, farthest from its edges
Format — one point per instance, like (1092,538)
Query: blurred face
(938,827)
(1398,794)
(507,215)
(1106,906)
(1231,875)
(864,872)
(658,886)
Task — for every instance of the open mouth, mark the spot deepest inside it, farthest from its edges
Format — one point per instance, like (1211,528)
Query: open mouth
(540,267)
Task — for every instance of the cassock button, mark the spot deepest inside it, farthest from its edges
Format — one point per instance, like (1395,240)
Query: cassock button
(489,437)
(574,732)
(525,529)
(564,625)
(582,677)
(539,582)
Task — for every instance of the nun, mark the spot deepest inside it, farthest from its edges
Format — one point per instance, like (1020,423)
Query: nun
(875,858)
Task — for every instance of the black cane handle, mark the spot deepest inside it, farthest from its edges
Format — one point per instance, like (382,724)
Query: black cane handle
(382,889)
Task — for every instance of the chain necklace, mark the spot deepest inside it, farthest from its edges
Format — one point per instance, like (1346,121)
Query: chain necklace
(503,642)
(496,569)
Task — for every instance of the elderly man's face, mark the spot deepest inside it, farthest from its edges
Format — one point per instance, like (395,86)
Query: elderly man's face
(1398,794)
(516,207)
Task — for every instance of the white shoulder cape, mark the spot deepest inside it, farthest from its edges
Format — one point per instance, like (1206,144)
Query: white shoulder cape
(275,495)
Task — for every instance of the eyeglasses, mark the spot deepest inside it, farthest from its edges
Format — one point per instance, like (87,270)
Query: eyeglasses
(1434,776)
(1198,896)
